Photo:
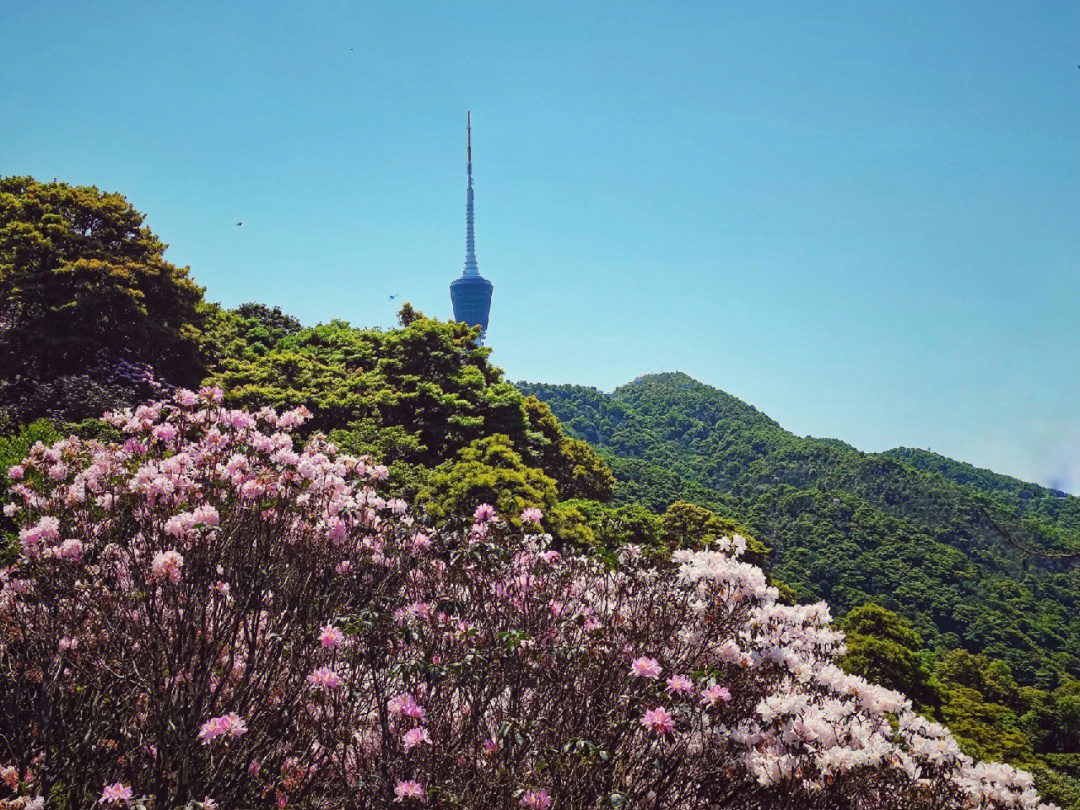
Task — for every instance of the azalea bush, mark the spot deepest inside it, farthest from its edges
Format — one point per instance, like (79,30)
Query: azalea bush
(208,615)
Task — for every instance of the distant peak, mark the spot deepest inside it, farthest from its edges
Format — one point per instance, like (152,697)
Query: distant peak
(667,376)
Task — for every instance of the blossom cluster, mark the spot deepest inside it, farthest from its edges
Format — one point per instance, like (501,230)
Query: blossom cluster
(207,614)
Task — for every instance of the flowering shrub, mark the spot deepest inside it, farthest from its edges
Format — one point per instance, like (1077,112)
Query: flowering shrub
(209,616)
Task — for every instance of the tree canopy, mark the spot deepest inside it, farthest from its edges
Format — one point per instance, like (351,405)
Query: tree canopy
(82,280)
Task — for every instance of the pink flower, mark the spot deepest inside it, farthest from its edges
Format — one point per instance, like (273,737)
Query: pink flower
(534,516)
(536,800)
(293,418)
(658,721)
(336,530)
(414,737)
(116,793)
(551,556)
(342,568)
(408,790)
(9,775)
(715,694)
(490,746)
(484,513)
(222,588)
(71,550)
(324,678)
(330,637)
(165,432)
(679,685)
(167,565)
(49,527)
(250,490)
(646,668)
(15,472)
(207,515)
(211,393)
(31,542)
(405,706)
(178,525)
(231,725)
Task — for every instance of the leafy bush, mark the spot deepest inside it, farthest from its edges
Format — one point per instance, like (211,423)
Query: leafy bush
(206,615)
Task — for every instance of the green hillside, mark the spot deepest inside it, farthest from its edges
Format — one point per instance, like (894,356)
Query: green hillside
(1056,510)
(852,527)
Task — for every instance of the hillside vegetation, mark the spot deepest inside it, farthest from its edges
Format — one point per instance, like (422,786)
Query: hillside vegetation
(938,603)
(850,527)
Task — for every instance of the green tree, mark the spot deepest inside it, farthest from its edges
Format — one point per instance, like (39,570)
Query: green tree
(687,525)
(577,469)
(490,471)
(904,529)
(991,678)
(884,648)
(615,526)
(80,274)
(277,324)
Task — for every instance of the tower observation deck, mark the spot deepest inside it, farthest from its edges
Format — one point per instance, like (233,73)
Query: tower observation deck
(470,293)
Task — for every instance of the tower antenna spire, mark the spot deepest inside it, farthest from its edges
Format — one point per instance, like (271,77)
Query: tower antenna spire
(471,268)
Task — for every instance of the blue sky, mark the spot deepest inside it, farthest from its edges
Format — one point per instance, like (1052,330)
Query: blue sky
(862,218)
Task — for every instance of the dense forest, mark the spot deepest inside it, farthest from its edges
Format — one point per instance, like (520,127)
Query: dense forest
(908,548)
(852,527)
(919,535)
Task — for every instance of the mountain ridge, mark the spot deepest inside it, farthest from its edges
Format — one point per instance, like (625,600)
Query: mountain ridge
(848,526)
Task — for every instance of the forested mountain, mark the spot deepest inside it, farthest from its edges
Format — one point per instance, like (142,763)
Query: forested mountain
(1054,509)
(906,529)
(987,638)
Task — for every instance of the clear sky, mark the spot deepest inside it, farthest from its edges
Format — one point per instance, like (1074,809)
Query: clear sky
(863,218)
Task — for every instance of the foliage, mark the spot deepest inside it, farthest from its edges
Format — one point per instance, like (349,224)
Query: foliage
(487,471)
(573,463)
(1050,510)
(906,530)
(977,697)
(424,400)
(80,274)
(885,649)
(277,324)
(286,637)
(846,526)
(414,396)
(687,525)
